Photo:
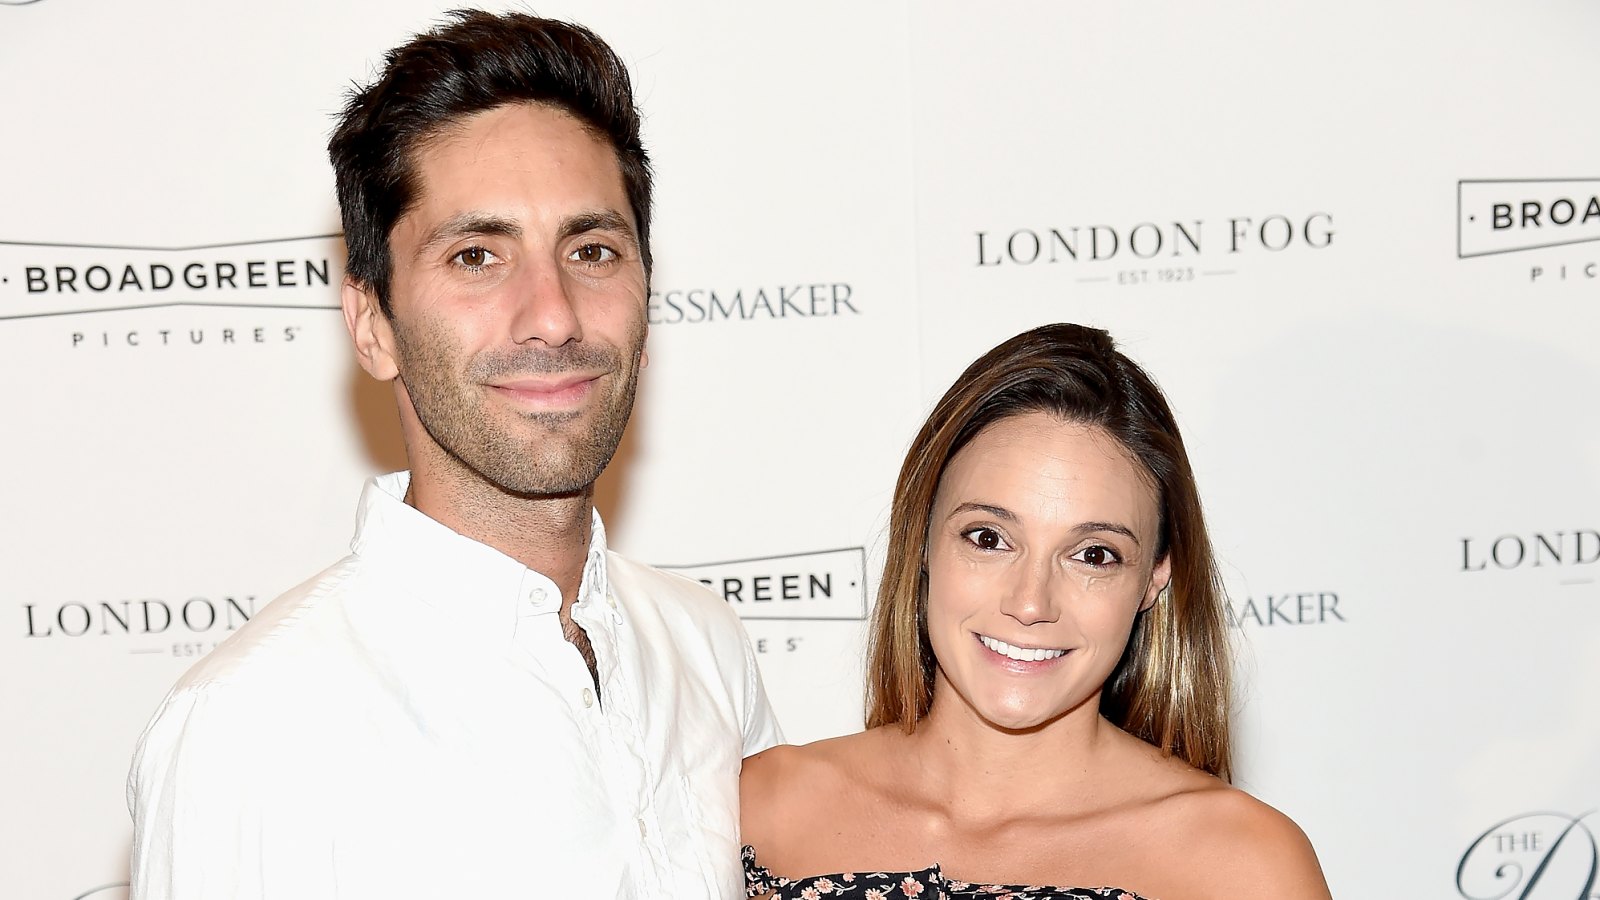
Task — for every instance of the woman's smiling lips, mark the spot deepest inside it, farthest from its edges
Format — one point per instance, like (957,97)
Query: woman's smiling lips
(548,393)
(1020,659)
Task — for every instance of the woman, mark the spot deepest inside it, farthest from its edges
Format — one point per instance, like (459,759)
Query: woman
(1048,678)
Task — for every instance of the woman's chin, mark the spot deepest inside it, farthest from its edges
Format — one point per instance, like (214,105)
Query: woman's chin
(1017,714)
(1022,719)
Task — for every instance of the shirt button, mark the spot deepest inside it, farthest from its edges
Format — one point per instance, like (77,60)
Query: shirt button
(588,697)
(641,826)
(611,600)
(537,595)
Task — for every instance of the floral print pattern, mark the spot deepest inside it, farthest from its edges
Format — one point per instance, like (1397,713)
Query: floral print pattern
(927,884)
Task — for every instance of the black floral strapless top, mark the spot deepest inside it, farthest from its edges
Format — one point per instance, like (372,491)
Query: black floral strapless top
(927,884)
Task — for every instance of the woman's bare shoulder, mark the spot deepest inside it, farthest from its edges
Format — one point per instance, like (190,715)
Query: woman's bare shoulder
(785,786)
(778,768)
(1223,842)
(1240,847)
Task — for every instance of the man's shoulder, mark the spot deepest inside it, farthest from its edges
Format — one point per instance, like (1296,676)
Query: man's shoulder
(669,591)
(696,637)
(286,641)
(267,683)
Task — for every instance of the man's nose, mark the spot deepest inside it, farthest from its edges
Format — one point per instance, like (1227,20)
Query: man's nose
(542,307)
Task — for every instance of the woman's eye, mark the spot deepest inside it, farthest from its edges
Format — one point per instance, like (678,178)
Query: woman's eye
(474,257)
(1098,556)
(985,538)
(594,254)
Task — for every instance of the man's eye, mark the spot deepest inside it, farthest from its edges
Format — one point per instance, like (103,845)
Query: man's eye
(985,538)
(1098,556)
(474,257)
(594,253)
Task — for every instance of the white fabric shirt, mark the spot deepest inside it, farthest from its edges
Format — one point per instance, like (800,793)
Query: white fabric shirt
(412,723)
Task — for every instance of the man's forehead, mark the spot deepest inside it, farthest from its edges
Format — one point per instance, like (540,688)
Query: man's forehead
(526,126)
(469,166)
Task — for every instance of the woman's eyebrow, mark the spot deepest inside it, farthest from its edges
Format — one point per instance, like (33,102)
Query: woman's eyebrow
(999,512)
(1114,527)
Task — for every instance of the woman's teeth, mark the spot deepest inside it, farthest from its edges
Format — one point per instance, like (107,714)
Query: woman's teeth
(1021,654)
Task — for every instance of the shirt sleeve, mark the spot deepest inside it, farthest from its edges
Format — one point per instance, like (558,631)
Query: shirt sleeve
(212,815)
(760,724)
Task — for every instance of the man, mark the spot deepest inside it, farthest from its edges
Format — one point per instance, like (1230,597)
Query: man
(481,700)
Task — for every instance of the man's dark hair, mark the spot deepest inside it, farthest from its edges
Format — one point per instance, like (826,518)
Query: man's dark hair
(473,62)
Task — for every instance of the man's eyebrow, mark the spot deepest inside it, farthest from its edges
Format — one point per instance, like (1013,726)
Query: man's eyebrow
(598,220)
(463,224)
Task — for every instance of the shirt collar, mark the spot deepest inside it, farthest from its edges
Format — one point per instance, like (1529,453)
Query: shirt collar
(445,568)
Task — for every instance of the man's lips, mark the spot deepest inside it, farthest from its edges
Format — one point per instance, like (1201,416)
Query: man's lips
(563,390)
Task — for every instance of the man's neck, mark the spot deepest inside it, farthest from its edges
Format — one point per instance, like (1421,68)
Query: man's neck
(548,534)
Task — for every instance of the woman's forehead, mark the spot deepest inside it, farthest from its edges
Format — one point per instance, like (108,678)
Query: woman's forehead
(1050,467)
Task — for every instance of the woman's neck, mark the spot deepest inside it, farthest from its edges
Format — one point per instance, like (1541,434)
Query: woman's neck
(985,772)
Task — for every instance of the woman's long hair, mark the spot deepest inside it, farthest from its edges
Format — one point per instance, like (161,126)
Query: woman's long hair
(1172,685)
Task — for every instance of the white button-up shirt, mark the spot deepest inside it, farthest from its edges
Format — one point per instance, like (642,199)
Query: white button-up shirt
(412,723)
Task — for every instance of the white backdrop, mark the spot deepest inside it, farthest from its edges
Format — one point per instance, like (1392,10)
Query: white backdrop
(1358,244)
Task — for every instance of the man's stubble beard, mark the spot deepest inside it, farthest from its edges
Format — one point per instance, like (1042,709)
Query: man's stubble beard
(560,455)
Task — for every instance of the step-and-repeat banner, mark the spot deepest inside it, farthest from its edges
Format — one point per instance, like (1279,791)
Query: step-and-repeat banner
(1357,243)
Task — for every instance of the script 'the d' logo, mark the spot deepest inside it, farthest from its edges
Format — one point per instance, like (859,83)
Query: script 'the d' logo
(1534,856)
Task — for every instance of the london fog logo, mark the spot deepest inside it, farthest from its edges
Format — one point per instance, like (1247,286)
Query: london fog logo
(706,305)
(1170,251)
(1498,216)
(1533,856)
(1565,553)
(76,281)
(189,627)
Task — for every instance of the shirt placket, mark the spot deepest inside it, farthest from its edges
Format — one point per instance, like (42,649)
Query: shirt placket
(544,649)
(628,770)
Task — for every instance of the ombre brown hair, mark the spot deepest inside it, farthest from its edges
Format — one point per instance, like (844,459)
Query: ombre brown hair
(1171,686)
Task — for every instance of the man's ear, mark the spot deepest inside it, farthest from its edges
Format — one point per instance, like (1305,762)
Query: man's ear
(1159,579)
(370,330)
